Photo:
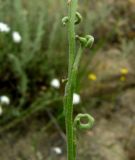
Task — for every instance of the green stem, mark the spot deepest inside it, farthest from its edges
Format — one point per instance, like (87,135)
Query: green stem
(68,105)
(71,33)
(74,60)
(69,89)
(76,66)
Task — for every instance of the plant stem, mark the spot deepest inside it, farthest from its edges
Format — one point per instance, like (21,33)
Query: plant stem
(71,33)
(74,60)
(69,89)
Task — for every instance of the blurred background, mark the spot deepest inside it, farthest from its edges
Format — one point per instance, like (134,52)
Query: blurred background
(33,65)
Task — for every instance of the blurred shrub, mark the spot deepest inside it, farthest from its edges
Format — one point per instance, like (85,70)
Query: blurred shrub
(28,65)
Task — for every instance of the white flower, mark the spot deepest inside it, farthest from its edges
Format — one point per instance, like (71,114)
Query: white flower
(1,111)
(55,83)
(76,98)
(4,27)
(57,150)
(16,37)
(4,100)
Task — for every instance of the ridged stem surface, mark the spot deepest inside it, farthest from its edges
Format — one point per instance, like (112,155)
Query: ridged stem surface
(68,104)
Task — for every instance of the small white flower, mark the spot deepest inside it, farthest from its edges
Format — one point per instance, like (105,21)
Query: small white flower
(16,37)
(4,100)
(4,27)
(1,111)
(76,98)
(55,83)
(57,150)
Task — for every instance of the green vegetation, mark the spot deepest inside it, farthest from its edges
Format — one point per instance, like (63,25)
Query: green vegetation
(35,55)
(72,19)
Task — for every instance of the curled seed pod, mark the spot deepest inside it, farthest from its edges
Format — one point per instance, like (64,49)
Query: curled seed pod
(82,40)
(65,20)
(83,126)
(90,40)
(78,18)
(86,41)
